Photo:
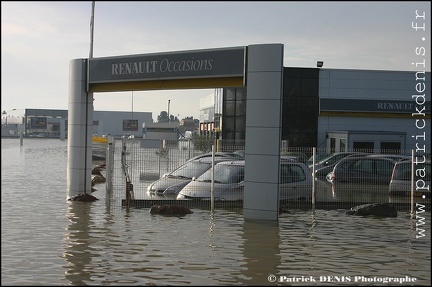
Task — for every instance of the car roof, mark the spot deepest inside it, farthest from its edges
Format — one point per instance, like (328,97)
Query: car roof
(396,156)
(242,161)
(352,158)
(232,162)
(428,161)
(217,154)
(217,159)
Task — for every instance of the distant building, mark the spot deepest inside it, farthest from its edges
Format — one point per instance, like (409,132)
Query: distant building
(54,123)
(211,112)
(161,131)
(187,127)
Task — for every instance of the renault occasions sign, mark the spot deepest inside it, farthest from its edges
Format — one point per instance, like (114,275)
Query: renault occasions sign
(211,63)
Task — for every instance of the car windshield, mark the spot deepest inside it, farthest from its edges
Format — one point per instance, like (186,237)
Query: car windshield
(224,174)
(190,169)
(318,157)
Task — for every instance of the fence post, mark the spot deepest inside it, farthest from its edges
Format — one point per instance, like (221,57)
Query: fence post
(109,164)
(212,180)
(313,178)
(109,167)
(129,190)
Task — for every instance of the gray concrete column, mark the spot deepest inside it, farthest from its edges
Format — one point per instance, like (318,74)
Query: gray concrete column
(80,125)
(62,129)
(264,84)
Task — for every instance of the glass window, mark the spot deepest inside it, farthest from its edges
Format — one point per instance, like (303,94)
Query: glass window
(342,144)
(363,165)
(366,146)
(384,167)
(332,145)
(292,173)
(229,109)
(230,95)
(224,173)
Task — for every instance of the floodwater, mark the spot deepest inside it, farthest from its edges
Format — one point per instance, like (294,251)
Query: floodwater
(47,240)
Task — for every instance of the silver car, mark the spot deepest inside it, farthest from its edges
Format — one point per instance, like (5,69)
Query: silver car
(170,184)
(296,182)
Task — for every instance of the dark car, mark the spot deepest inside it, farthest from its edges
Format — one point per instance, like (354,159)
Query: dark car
(363,170)
(318,158)
(326,165)
(334,158)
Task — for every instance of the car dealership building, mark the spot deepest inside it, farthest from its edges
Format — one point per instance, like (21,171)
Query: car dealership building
(340,109)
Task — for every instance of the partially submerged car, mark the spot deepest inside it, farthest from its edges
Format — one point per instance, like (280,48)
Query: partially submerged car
(296,182)
(171,183)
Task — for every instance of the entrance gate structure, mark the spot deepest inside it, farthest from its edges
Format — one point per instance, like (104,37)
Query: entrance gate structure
(259,68)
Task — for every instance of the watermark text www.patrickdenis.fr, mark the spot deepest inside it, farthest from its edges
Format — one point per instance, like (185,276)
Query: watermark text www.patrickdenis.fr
(419,115)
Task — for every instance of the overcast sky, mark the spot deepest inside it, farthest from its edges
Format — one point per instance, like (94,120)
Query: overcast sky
(39,39)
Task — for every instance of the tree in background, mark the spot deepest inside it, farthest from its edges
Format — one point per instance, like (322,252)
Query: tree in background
(202,142)
(163,118)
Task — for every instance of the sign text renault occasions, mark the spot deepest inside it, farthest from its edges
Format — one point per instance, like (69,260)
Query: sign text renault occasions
(226,62)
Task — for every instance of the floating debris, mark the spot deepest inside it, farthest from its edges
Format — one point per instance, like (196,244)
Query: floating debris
(83,197)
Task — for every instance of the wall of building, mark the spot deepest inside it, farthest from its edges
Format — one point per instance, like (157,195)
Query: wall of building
(111,122)
(367,100)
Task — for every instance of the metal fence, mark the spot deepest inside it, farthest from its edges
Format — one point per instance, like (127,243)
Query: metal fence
(134,164)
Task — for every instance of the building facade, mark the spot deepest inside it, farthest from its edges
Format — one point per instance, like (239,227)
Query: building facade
(342,109)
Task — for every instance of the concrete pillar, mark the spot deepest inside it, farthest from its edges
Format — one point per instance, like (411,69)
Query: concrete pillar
(263,131)
(80,124)
(62,129)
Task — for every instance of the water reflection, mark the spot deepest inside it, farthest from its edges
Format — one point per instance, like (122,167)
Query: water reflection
(261,251)
(77,243)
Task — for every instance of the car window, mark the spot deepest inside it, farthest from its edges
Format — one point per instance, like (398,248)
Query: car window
(403,171)
(292,173)
(335,159)
(363,165)
(384,167)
